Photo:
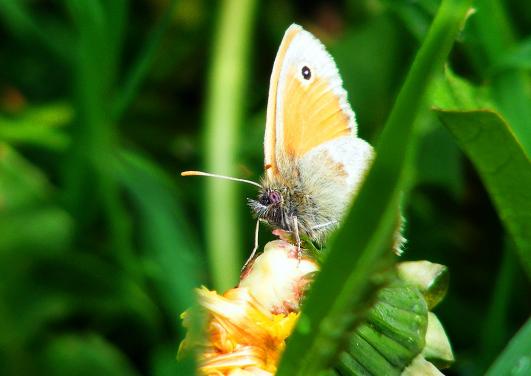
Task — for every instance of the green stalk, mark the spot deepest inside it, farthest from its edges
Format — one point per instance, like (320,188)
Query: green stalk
(347,276)
(224,109)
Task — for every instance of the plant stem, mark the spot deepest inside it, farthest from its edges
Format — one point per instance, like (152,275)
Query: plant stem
(224,109)
(345,278)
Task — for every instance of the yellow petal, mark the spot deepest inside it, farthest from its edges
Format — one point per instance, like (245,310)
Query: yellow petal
(248,325)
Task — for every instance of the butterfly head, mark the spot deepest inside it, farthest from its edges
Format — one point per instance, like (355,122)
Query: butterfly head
(270,206)
(270,197)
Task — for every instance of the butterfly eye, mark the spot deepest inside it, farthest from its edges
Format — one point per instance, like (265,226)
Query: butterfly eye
(306,73)
(270,197)
(264,199)
(275,197)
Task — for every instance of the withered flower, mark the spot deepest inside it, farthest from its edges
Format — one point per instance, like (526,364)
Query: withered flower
(248,325)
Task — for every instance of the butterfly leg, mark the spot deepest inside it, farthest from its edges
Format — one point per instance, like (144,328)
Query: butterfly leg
(297,237)
(324,225)
(255,244)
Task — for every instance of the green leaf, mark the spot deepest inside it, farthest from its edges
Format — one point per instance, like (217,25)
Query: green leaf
(28,224)
(515,360)
(164,364)
(358,248)
(451,92)
(415,17)
(17,18)
(495,36)
(368,80)
(503,166)
(99,35)
(143,62)
(38,290)
(495,330)
(85,355)
(439,159)
(170,248)
(91,285)
(38,126)
(39,230)
(21,183)
(519,57)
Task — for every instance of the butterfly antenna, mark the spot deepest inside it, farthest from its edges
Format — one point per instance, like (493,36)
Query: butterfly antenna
(201,173)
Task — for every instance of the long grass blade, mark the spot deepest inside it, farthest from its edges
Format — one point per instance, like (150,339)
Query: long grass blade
(345,278)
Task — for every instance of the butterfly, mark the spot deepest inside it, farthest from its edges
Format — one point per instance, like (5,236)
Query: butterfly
(313,160)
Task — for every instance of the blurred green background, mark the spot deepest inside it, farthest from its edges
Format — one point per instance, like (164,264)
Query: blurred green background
(103,103)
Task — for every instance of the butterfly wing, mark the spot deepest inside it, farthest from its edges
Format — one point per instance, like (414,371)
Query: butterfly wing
(311,129)
(308,114)
(270,138)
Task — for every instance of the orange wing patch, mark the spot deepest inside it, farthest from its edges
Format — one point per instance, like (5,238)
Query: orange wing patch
(312,115)
(271,126)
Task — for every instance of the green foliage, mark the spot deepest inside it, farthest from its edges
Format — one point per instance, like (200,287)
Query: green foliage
(503,166)
(101,105)
(496,152)
(164,232)
(359,247)
(514,360)
(85,285)
(85,356)
(224,110)
(509,88)
(40,126)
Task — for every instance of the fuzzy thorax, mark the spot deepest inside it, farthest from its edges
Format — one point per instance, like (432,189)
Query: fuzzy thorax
(284,206)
